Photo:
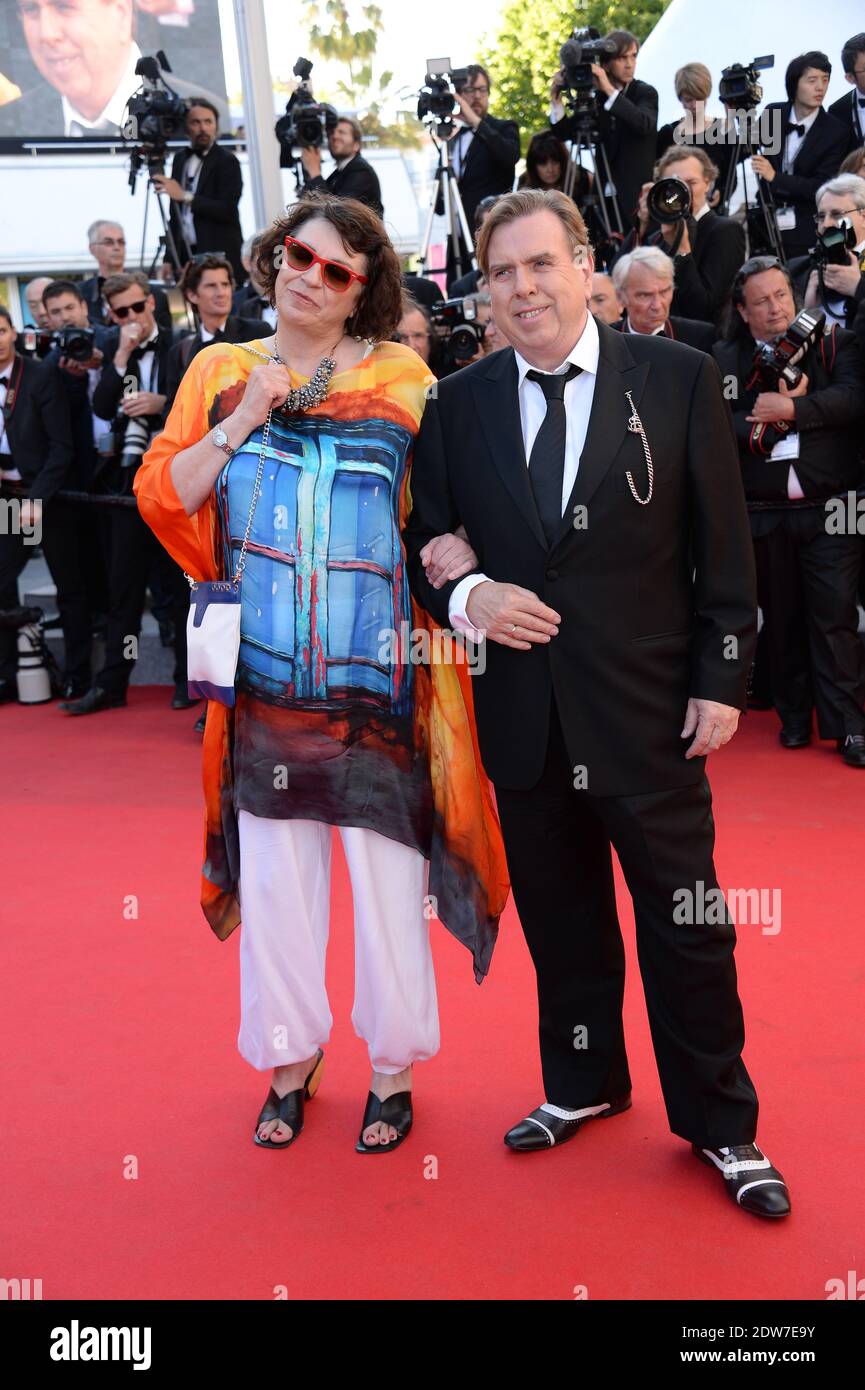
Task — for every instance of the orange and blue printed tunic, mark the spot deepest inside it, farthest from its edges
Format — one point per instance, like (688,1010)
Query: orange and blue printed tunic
(335,718)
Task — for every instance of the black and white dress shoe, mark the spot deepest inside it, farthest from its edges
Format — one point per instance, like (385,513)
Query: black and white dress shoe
(749,1178)
(551,1124)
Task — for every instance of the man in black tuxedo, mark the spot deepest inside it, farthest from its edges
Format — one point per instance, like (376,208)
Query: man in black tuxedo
(842,297)
(799,450)
(807,147)
(615,592)
(205,188)
(706,249)
(627,120)
(130,398)
(643,281)
(208,285)
(107,242)
(36,451)
(849,110)
(483,153)
(81,572)
(354,176)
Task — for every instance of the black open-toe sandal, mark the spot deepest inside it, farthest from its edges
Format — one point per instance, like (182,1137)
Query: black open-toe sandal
(395,1111)
(289,1108)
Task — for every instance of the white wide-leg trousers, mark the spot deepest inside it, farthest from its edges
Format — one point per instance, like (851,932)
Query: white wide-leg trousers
(285,915)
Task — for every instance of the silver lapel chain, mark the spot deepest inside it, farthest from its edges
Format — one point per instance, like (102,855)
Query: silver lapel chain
(635,425)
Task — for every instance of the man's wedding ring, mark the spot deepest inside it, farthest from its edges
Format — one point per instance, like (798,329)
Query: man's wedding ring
(513,627)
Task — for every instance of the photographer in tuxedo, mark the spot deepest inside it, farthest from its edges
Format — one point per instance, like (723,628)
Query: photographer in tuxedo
(596,476)
(354,176)
(627,121)
(205,188)
(706,250)
(812,145)
(643,282)
(483,151)
(798,449)
(842,298)
(130,398)
(208,285)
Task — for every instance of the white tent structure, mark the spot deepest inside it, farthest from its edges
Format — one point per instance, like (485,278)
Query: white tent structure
(738,31)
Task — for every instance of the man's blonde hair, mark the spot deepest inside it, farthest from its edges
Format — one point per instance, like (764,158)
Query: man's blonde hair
(523,203)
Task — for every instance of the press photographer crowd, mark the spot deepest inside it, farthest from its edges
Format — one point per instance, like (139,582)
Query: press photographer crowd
(738,229)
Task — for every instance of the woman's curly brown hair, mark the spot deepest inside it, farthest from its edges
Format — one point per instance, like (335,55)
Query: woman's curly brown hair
(379,309)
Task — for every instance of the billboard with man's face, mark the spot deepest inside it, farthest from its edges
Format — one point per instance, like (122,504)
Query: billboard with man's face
(67,67)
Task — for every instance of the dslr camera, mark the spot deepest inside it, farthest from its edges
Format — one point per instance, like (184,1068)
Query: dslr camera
(75,343)
(833,244)
(776,362)
(306,122)
(460,334)
(669,200)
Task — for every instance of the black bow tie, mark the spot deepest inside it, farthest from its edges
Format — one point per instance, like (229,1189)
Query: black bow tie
(4,381)
(791,126)
(861,101)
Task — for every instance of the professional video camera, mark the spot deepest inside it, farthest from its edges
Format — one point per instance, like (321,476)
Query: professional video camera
(776,362)
(436,100)
(669,200)
(740,86)
(582,49)
(458,329)
(306,122)
(75,343)
(154,115)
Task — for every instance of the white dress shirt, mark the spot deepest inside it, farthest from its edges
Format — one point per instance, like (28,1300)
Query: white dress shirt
(113,112)
(191,175)
(579,393)
(793,143)
(460,149)
(206,336)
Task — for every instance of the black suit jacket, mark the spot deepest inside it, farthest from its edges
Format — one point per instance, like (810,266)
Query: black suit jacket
(236,330)
(828,420)
(819,157)
(92,292)
(694,332)
(847,111)
(109,388)
(649,596)
(357,179)
(39,430)
(214,207)
(489,164)
(629,134)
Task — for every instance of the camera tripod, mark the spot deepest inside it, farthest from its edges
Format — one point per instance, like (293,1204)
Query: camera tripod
(446,191)
(765,203)
(597,205)
(155,162)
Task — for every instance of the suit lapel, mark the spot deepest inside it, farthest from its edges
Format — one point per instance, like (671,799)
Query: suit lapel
(498,407)
(608,422)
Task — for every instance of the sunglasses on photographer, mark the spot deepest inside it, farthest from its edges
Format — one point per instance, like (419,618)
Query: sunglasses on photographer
(137,308)
(334,275)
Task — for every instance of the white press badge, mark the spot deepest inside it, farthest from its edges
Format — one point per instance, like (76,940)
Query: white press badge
(635,425)
(785,219)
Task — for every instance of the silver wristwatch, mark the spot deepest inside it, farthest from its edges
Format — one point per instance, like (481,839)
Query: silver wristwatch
(220,439)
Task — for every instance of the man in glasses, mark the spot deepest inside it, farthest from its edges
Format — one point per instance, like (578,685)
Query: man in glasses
(130,398)
(205,187)
(850,109)
(483,151)
(840,203)
(107,242)
(798,451)
(354,176)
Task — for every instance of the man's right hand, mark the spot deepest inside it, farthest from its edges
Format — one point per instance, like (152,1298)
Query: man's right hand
(510,615)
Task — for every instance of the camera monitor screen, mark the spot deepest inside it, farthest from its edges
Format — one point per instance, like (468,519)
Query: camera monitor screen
(67,69)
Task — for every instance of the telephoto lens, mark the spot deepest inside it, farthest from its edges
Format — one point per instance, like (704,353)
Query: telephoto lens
(669,200)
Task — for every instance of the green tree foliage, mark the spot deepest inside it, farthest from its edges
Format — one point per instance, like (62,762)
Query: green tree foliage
(523,56)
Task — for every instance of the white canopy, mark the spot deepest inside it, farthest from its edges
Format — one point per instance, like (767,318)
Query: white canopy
(692,31)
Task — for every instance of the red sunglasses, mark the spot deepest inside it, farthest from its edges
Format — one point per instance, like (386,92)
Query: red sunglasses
(334,275)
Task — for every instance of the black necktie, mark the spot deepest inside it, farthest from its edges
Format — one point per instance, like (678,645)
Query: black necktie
(547,462)
(791,126)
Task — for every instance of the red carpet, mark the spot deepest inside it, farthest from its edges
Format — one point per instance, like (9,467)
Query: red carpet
(119,1047)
